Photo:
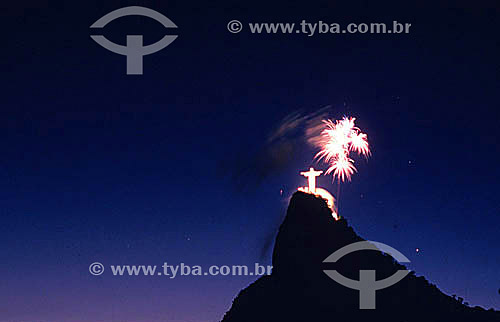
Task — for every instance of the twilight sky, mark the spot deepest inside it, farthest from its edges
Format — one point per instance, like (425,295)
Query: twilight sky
(100,166)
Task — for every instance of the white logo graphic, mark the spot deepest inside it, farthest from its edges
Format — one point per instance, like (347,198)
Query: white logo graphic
(134,50)
(367,285)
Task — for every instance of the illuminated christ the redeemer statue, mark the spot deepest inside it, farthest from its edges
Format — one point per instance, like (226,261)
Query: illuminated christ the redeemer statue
(311,178)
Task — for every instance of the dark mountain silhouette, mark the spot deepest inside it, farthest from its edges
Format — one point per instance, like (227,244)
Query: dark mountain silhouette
(299,290)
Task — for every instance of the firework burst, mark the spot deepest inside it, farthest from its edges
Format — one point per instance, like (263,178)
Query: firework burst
(337,141)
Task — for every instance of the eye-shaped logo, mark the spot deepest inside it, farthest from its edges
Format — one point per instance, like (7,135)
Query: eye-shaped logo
(367,285)
(134,50)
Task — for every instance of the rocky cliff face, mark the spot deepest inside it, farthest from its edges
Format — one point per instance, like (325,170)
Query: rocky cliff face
(299,290)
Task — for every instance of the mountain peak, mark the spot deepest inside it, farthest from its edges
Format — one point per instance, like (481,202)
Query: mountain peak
(299,290)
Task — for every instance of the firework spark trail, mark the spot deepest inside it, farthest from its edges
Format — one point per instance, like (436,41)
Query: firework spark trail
(337,140)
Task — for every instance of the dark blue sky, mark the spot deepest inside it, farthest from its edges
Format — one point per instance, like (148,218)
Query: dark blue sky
(100,166)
